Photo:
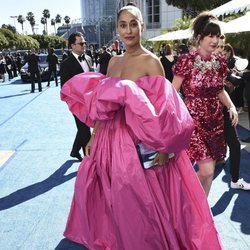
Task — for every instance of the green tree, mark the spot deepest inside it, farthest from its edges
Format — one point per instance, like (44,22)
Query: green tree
(67,21)
(46,41)
(26,42)
(21,20)
(53,23)
(3,41)
(9,27)
(10,36)
(31,18)
(43,21)
(46,15)
(193,7)
(58,19)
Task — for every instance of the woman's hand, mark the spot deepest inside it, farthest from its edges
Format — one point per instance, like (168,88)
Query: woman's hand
(233,115)
(161,159)
(88,146)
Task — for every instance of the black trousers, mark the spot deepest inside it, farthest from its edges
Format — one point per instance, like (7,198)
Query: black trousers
(33,76)
(82,137)
(232,140)
(248,111)
(52,71)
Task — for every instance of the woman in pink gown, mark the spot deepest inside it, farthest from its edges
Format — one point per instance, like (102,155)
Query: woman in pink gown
(117,204)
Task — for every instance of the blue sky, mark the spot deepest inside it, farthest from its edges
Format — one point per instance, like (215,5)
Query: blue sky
(9,8)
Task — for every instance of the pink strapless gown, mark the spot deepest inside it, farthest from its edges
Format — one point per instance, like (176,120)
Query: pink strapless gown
(117,205)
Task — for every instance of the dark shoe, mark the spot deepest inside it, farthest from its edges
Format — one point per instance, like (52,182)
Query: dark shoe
(247,140)
(48,85)
(32,91)
(77,155)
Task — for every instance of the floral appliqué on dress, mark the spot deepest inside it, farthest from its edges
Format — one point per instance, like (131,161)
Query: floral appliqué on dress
(206,65)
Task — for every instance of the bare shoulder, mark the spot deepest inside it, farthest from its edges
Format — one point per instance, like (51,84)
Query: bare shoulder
(115,59)
(152,63)
(113,64)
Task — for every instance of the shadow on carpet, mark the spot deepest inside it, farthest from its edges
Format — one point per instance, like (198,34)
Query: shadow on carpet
(27,193)
(9,96)
(242,132)
(241,208)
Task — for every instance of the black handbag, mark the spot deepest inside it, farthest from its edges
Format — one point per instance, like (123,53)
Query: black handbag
(146,156)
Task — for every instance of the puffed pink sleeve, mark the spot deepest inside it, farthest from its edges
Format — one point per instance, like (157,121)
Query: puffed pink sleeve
(153,111)
(151,107)
(79,93)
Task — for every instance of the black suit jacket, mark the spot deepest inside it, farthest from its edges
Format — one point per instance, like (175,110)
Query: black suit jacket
(53,61)
(246,78)
(69,68)
(33,62)
(104,61)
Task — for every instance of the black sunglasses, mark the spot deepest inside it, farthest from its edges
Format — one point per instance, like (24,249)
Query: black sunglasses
(83,43)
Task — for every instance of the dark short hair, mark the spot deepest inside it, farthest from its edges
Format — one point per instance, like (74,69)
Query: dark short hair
(168,50)
(72,37)
(206,24)
(131,4)
(132,8)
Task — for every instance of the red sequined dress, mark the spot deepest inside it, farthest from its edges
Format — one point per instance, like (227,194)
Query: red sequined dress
(203,80)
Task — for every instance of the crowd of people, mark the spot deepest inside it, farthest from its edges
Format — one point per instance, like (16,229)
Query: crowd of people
(10,65)
(182,104)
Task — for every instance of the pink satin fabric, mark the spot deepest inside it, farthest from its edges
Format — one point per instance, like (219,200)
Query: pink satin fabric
(117,204)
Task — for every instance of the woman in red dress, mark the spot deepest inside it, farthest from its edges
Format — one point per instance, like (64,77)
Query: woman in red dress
(201,73)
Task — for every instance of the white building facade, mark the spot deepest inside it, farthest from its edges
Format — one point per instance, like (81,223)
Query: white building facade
(157,15)
(101,14)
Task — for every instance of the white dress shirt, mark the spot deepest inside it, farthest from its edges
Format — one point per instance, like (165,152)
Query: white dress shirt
(83,63)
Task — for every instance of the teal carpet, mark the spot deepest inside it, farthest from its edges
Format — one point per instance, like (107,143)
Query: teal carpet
(37,181)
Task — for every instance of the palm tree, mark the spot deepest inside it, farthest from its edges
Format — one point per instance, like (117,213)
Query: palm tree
(21,20)
(46,15)
(43,21)
(58,18)
(67,21)
(53,23)
(31,18)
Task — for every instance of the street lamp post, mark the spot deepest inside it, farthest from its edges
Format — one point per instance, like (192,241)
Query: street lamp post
(36,27)
(14,17)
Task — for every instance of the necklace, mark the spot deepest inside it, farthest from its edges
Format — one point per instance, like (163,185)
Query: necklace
(206,65)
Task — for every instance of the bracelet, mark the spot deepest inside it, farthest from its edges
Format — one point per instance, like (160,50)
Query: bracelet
(230,108)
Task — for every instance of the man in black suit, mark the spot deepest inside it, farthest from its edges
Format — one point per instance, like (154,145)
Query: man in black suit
(53,62)
(77,62)
(104,60)
(33,67)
